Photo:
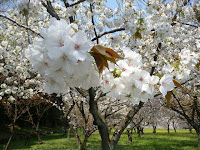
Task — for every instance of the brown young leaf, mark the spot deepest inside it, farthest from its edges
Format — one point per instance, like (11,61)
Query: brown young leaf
(108,52)
(101,50)
(112,53)
(102,55)
(178,85)
(198,65)
(100,61)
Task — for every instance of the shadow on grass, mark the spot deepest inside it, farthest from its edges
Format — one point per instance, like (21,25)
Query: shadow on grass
(52,141)
(148,141)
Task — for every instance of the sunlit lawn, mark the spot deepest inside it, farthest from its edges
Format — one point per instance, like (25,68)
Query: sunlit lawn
(182,140)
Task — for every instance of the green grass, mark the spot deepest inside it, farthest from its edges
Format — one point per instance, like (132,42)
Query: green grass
(182,140)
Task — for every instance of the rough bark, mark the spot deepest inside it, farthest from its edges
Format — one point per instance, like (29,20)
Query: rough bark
(130,135)
(84,144)
(138,132)
(142,130)
(38,133)
(98,120)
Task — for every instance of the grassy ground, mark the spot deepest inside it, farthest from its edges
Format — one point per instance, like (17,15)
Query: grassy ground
(182,140)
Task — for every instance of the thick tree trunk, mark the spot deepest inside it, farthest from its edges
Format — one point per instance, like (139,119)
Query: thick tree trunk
(130,132)
(190,129)
(134,129)
(138,132)
(98,120)
(84,144)
(175,130)
(69,132)
(39,139)
(142,130)
(168,129)
(38,133)
(154,129)
(106,143)
(104,139)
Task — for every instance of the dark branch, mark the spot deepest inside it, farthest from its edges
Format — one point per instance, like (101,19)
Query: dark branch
(71,20)
(76,3)
(155,58)
(179,10)
(108,32)
(20,25)
(182,109)
(95,32)
(50,9)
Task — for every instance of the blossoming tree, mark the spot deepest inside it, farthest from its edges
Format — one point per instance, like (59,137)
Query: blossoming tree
(131,53)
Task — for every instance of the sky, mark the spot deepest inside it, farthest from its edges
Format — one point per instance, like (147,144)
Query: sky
(114,3)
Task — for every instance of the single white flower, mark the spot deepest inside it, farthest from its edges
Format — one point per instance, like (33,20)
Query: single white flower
(167,84)
(78,47)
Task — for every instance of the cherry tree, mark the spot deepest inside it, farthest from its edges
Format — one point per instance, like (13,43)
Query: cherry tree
(131,53)
(38,105)
(153,113)
(186,103)
(80,118)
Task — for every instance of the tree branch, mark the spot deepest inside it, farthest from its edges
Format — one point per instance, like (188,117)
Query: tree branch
(20,25)
(125,122)
(183,111)
(103,129)
(76,3)
(71,20)
(50,9)
(108,32)
(185,2)
(95,32)
(184,24)
(156,58)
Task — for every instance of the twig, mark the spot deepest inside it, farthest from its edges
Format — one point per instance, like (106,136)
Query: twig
(27,17)
(108,32)
(76,3)
(155,58)
(184,24)
(179,10)
(20,25)
(71,20)
(95,32)
(50,9)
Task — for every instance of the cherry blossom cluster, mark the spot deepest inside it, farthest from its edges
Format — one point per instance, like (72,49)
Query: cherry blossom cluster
(129,81)
(29,6)
(16,80)
(188,58)
(62,57)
